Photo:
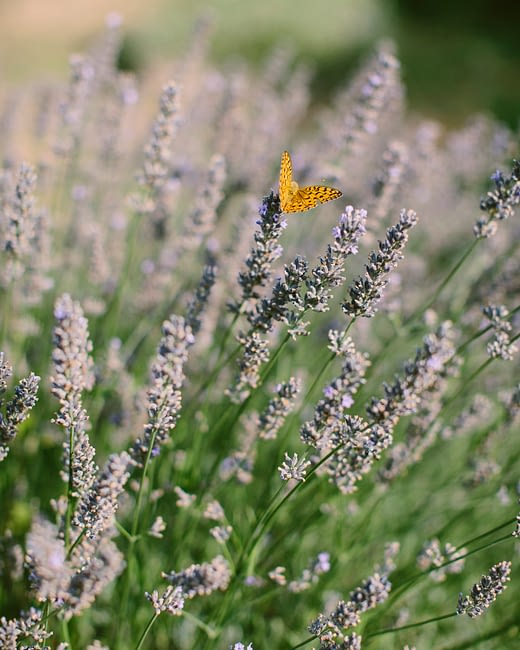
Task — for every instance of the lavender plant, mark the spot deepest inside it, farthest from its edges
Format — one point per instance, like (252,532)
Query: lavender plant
(284,430)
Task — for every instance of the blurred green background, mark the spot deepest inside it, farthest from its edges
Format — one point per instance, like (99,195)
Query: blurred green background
(458,57)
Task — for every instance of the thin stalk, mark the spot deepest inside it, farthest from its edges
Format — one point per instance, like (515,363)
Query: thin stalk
(70,488)
(463,386)
(410,626)
(64,625)
(146,631)
(451,273)
(229,418)
(133,538)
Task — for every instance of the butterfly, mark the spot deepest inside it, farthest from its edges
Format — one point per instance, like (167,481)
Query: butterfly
(294,198)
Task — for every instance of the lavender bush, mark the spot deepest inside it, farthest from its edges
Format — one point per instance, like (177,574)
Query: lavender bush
(283,430)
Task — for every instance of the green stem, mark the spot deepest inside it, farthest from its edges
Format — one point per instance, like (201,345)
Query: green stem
(146,631)
(489,532)
(66,634)
(212,376)
(70,488)
(415,315)
(303,643)
(227,334)
(77,541)
(391,630)
(463,386)
(229,418)
(274,507)
(133,537)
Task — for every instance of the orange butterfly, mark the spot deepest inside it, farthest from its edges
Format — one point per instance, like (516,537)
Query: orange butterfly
(294,198)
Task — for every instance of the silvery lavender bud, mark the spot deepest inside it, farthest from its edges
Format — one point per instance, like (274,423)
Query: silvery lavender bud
(485,592)
(367,290)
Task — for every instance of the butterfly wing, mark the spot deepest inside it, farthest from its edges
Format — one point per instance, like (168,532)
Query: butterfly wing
(299,199)
(285,181)
(310,196)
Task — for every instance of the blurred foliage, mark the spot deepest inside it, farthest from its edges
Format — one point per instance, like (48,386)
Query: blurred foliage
(457,59)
